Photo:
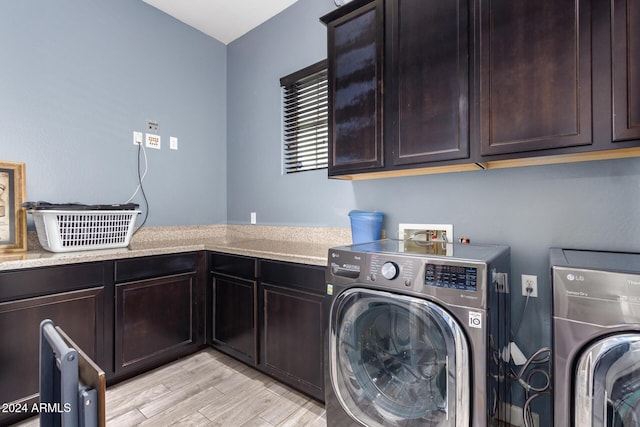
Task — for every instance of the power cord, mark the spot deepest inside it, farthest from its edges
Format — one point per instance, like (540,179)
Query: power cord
(526,382)
(144,174)
(529,290)
(140,188)
(531,392)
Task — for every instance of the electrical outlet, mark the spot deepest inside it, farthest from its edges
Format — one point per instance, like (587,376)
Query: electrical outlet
(529,285)
(152,141)
(253,217)
(173,143)
(137,138)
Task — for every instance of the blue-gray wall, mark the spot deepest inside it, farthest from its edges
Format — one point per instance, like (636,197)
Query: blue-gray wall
(288,42)
(77,77)
(583,205)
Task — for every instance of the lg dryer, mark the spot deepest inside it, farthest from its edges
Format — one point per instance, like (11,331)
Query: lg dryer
(416,339)
(596,319)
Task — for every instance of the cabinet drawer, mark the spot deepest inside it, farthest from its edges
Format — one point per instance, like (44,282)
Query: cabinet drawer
(49,280)
(233,265)
(155,266)
(307,277)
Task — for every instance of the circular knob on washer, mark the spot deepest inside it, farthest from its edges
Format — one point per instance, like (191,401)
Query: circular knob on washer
(389,270)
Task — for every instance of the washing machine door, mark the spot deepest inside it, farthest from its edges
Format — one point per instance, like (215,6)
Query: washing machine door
(398,361)
(607,384)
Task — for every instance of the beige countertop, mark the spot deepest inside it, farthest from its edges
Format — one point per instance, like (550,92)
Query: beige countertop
(305,245)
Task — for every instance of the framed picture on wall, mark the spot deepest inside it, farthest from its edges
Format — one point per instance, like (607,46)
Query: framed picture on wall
(13,221)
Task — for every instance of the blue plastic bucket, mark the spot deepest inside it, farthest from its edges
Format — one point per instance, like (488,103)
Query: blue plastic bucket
(365,226)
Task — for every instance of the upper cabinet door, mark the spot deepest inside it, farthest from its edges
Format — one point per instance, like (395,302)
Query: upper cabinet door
(428,80)
(626,69)
(535,75)
(355,43)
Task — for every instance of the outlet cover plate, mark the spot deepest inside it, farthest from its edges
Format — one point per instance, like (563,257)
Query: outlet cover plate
(137,138)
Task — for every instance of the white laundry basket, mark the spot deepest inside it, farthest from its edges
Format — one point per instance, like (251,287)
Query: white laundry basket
(67,230)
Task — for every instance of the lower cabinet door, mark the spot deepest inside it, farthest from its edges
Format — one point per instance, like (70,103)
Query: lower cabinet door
(234,328)
(155,321)
(78,313)
(292,338)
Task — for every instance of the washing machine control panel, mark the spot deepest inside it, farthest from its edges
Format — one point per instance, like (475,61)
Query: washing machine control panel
(421,274)
(451,276)
(386,269)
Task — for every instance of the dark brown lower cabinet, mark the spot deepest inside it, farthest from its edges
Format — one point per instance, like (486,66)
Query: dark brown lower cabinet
(270,315)
(154,314)
(291,332)
(155,321)
(234,329)
(78,313)
(159,310)
(292,325)
(233,296)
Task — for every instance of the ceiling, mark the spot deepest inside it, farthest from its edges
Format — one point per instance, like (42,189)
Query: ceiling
(224,20)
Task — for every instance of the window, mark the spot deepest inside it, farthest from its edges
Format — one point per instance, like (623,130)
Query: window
(305,119)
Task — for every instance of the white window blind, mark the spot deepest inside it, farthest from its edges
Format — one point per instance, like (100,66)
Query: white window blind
(305,118)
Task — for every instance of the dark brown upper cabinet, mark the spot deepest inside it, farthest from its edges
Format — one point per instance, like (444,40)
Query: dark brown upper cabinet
(535,75)
(416,52)
(427,88)
(481,84)
(626,69)
(355,45)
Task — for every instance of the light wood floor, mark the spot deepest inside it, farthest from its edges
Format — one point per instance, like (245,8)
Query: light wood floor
(207,389)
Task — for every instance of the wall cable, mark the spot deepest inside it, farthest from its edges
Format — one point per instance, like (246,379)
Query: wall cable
(524,310)
(144,174)
(141,176)
(538,391)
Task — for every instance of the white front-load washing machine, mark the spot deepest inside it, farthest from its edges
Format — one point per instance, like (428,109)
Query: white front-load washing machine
(596,335)
(416,339)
